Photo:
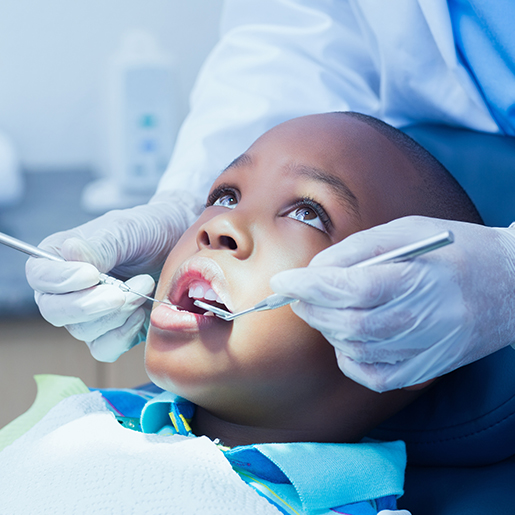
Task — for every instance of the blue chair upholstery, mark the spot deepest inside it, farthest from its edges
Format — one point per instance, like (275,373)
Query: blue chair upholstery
(466,420)
(460,437)
(484,165)
(488,490)
(460,434)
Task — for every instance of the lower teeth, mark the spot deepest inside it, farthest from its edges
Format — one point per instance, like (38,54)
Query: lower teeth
(178,308)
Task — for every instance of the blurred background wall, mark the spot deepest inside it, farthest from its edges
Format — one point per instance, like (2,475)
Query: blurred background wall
(54,59)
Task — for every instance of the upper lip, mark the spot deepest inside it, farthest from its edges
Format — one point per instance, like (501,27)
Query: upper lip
(203,270)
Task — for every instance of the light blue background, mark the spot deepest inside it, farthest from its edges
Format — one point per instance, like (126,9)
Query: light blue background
(53,64)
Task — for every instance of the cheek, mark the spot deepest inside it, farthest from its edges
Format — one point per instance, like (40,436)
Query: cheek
(292,245)
(279,343)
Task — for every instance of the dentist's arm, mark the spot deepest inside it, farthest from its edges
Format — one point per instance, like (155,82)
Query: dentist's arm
(401,324)
(276,60)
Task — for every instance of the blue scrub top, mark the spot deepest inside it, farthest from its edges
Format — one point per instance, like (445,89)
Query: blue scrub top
(484,34)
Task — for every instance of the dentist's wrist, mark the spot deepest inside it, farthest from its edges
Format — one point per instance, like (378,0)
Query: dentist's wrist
(508,238)
(190,205)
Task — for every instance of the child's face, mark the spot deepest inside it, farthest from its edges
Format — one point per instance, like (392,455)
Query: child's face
(300,188)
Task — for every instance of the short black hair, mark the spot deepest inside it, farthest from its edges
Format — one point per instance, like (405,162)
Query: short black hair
(446,198)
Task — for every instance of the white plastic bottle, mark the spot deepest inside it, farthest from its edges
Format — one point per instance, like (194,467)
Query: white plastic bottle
(11,182)
(143,122)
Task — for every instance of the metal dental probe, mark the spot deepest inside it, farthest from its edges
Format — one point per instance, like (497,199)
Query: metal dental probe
(401,254)
(33,251)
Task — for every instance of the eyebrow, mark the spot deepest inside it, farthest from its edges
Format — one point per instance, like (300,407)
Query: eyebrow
(340,189)
(337,185)
(242,160)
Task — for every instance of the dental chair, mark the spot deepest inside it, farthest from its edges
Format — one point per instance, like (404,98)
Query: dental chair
(460,435)
(460,439)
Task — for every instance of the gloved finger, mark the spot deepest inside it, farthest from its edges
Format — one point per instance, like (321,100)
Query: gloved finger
(129,241)
(111,345)
(382,376)
(73,245)
(379,377)
(78,249)
(81,244)
(142,283)
(399,332)
(374,241)
(93,329)
(79,307)
(357,325)
(344,287)
(92,304)
(48,276)
(88,331)
(388,334)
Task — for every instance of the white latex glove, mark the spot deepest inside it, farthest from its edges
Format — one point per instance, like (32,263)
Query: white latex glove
(400,324)
(124,243)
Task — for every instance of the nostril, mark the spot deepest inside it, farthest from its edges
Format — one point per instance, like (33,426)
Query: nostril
(228,242)
(204,239)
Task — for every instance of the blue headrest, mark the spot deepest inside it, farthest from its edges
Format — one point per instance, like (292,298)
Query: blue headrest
(466,419)
(482,163)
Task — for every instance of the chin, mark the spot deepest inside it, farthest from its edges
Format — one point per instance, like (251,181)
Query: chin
(173,372)
(164,382)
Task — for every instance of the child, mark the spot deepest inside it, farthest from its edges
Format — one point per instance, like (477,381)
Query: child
(267,379)
(301,187)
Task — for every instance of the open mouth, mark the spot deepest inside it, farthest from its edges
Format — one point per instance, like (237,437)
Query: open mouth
(200,290)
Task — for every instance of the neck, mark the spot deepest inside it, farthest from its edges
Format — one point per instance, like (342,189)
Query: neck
(232,434)
(309,428)
(343,416)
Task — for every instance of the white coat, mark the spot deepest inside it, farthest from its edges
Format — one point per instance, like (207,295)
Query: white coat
(278,59)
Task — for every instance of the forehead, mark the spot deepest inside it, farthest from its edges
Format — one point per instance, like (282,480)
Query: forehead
(323,143)
(293,169)
(360,165)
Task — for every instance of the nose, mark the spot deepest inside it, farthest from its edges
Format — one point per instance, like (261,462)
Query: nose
(224,232)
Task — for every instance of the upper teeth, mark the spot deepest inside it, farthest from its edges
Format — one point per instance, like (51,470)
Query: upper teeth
(203,291)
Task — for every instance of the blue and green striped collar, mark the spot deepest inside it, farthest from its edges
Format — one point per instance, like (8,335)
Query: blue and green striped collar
(342,473)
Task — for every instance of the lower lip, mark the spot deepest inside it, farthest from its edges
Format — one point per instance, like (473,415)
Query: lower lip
(170,319)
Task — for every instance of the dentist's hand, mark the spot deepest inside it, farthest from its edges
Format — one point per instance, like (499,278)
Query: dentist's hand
(125,243)
(401,324)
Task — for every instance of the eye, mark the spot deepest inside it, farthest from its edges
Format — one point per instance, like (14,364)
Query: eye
(227,200)
(223,196)
(311,213)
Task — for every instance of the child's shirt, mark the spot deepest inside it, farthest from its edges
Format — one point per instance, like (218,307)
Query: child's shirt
(311,478)
(302,477)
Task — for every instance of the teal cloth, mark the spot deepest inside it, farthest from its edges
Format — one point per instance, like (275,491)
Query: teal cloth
(324,475)
(155,413)
(484,34)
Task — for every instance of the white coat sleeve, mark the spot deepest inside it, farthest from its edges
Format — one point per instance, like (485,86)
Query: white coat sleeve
(276,59)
